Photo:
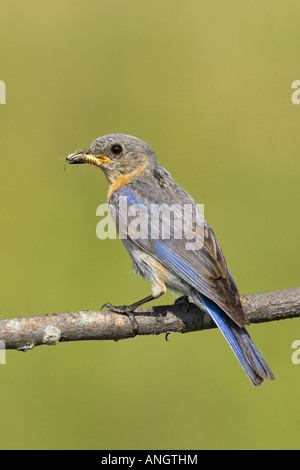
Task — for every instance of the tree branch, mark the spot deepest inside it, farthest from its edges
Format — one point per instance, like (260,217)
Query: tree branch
(24,333)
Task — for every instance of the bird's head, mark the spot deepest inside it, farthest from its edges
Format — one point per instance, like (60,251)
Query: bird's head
(116,155)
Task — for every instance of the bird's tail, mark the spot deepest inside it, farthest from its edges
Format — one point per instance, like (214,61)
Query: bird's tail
(241,343)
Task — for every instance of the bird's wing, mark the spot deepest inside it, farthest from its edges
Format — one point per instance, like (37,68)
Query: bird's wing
(196,256)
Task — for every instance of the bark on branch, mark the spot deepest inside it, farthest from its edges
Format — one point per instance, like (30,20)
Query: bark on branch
(24,333)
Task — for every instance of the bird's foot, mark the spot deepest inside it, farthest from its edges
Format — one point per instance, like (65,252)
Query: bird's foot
(124,310)
(184,302)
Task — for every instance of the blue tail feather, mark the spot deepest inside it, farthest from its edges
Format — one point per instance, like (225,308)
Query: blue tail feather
(241,343)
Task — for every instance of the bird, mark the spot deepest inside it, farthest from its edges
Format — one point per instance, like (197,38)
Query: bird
(195,269)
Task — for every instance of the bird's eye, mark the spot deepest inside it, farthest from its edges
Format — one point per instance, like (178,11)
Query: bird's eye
(117,148)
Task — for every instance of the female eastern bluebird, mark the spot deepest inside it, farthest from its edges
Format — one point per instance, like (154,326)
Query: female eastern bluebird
(197,269)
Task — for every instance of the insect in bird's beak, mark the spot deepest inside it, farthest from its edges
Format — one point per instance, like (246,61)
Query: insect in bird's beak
(85,157)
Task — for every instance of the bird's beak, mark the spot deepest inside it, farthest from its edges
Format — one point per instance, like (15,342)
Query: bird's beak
(86,157)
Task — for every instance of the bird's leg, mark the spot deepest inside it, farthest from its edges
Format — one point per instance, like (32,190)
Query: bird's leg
(129,309)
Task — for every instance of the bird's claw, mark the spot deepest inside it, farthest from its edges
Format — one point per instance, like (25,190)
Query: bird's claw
(166,335)
(124,310)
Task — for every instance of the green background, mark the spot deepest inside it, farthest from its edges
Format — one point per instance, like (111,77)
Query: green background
(208,86)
